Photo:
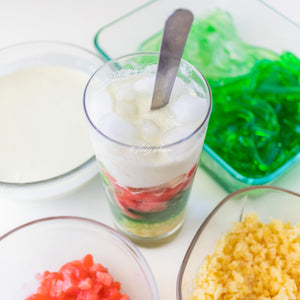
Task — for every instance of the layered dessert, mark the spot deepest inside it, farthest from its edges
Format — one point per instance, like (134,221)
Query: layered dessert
(147,158)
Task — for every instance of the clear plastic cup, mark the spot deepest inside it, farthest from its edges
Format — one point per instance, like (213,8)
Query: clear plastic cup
(147,186)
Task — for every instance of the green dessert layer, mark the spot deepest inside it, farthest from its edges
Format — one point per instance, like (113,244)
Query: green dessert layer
(256,121)
(152,223)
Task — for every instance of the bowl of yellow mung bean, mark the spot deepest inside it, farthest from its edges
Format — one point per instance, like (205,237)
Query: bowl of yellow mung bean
(247,248)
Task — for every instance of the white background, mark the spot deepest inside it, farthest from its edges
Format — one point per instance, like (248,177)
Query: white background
(77,22)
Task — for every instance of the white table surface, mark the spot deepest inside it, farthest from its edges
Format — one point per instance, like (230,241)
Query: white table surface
(76,22)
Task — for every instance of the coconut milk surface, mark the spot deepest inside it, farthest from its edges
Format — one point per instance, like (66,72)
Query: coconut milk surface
(42,123)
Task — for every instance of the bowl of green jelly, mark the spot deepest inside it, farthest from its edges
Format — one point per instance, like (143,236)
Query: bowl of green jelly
(250,57)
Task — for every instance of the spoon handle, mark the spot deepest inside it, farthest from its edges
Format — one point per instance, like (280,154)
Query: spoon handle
(175,34)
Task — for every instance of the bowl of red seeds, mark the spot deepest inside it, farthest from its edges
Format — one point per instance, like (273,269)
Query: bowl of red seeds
(72,258)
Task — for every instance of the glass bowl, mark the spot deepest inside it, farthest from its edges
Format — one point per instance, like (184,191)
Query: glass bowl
(269,29)
(47,244)
(266,201)
(69,170)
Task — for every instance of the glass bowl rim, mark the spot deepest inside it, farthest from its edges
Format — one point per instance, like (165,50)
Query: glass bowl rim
(150,148)
(107,57)
(251,180)
(209,217)
(71,218)
(90,161)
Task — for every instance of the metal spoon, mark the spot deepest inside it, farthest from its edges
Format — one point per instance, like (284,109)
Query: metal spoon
(177,28)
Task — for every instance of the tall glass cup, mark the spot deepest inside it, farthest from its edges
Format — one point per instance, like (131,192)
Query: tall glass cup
(147,185)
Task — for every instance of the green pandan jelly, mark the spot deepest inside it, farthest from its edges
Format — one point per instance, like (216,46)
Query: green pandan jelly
(255,122)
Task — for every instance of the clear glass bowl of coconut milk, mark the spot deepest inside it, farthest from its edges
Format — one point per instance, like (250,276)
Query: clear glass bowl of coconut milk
(45,149)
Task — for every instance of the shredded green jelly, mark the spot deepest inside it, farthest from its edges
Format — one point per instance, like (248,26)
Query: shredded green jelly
(255,121)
